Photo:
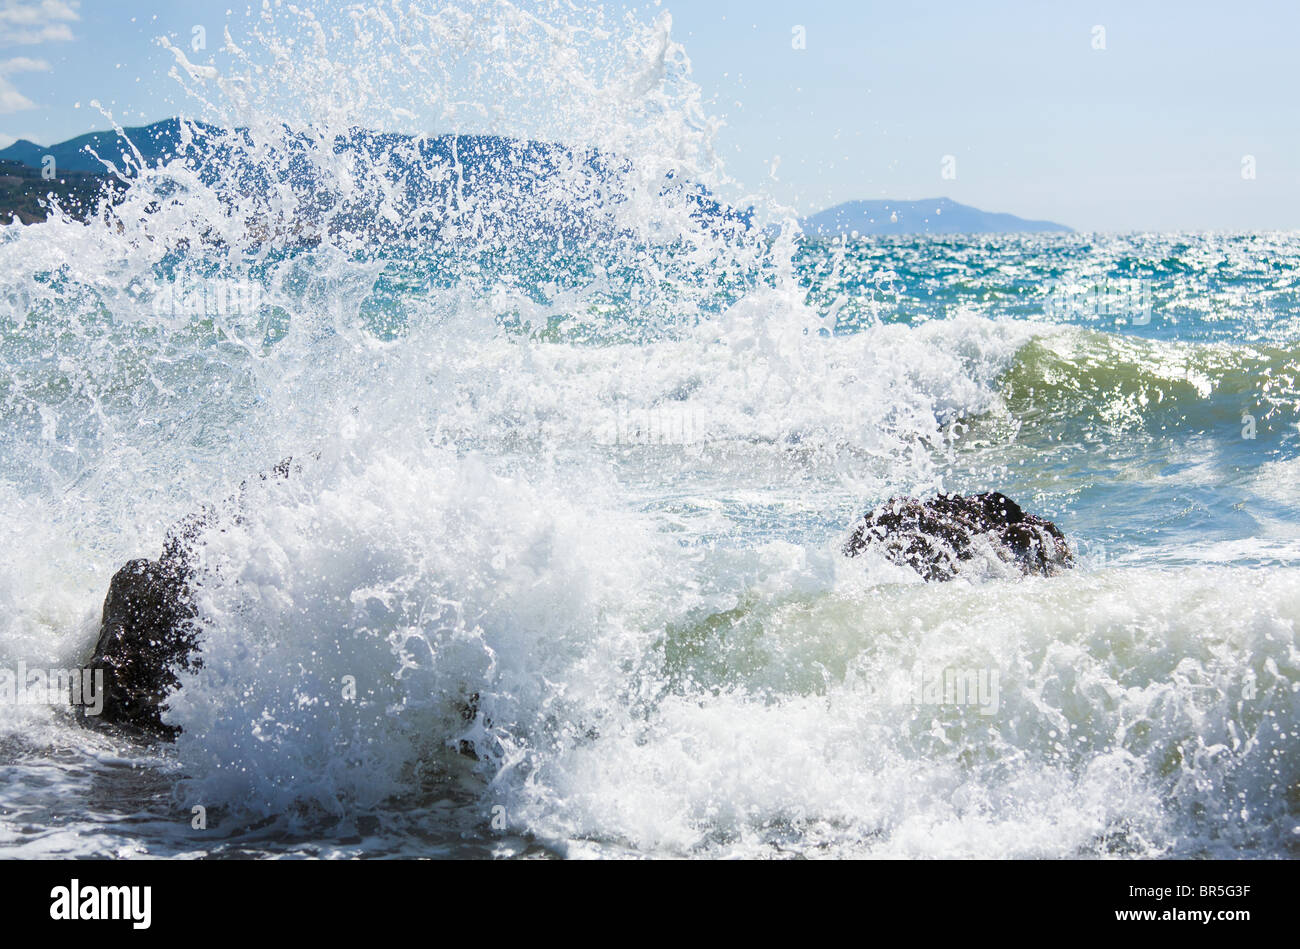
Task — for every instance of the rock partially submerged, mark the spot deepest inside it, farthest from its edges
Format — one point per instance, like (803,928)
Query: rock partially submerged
(148,634)
(146,638)
(935,537)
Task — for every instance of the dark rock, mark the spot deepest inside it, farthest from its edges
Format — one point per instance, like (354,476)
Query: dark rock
(146,637)
(148,634)
(935,536)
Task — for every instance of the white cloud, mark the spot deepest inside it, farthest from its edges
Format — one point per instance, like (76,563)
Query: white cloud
(22,64)
(11,100)
(28,22)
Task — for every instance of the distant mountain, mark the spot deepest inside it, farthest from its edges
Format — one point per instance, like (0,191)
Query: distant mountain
(431,182)
(931,216)
(157,143)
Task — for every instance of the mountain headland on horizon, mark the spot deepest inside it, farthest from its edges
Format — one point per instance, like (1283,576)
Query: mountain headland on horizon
(428,170)
(927,216)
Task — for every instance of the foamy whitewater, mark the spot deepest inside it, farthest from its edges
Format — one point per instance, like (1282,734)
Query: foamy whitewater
(575,461)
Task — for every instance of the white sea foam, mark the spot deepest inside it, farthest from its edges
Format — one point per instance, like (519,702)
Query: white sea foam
(1141,711)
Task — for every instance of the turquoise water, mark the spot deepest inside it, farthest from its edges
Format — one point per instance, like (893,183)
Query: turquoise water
(1163,415)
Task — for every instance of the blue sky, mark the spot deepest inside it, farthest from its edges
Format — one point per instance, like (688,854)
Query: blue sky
(1151,132)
